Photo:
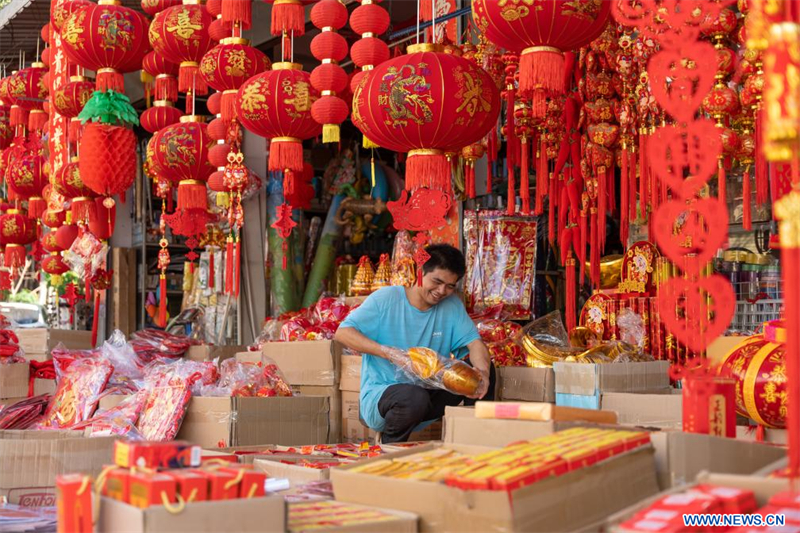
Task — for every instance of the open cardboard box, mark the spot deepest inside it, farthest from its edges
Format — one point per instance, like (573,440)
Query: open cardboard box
(583,384)
(306,362)
(14,381)
(209,352)
(276,467)
(662,410)
(350,378)
(267,514)
(401,522)
(37,343)
(526,384)
(561,503)
(31,460)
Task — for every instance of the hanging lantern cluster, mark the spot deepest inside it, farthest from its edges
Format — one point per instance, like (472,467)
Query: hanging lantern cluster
(16,232)
(69,100)
(329,78)
(369,20)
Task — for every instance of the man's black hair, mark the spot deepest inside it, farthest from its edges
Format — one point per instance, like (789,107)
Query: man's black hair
(445,257)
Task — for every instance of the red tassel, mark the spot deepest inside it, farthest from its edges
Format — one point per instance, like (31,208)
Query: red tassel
(790,269)
(584,230)
(428,168)
(229,267)
(109,79)
(602,202)
(511,136)
(632,186)
(747,213)
(611,189)
(37,120)
(594,262)
(96,318)
(166,87)
(14,256)
(524,183)
(237,265)
(723,187)
(285,248)
(228,103)
(541,69)
(237,11)
(551,213)
(162,304)
(189,79)
(192,194)
(512,200)
(285,153)
(761,172)
(570,292)
(36,207)
(211,273)
(624,200)
(643,177)
(288,16)
(19,116)
(563,205)
(469,169)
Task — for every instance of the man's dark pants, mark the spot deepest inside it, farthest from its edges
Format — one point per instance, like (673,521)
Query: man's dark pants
(405,406)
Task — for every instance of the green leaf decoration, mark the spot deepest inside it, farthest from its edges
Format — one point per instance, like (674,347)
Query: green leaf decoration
(109,107)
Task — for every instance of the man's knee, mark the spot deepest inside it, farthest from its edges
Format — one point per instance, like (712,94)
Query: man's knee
(417,402)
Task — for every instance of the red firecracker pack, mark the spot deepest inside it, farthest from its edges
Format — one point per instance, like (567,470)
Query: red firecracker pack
(173,454)
(74,504)
(191,486)
(252,481)
(151,489)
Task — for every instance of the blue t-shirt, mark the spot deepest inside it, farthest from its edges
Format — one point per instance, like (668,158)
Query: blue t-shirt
(388,318)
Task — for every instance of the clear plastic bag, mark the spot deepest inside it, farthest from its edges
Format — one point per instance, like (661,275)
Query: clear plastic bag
(154,344)
(87,254)
(119,420)
(238,378)
(77,394)
(427,368)
(545,341)
(631,327)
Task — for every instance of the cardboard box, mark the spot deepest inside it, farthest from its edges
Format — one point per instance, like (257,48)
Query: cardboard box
(681,456)
(779,437)
(335,400)
(306,362)
(350,379)
(663,411)
(561,503)
(31,460)
(354,431)
(297,475)
(245,515)
(539,411)
(526,384)
(461,427)
(582,384)
(14,380)
(219,422)
(209,352)
(38,342)
(400,522)
(722,346)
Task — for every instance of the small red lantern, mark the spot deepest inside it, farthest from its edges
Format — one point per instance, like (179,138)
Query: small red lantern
(28,176)
(66,235)
(54,265)
(68,181)
(107,38)
(49,242)
(6,131)
(54,219)
(541,34)
(180,34)
(69,99)
(161,115)
(16,231)
(277,105)
(329,78)
(165,73)
(227,66)
(154,7)
(721,101)
(368,20)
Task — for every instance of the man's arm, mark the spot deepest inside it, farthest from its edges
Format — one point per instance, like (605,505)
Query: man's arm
(481,361)
(355,340)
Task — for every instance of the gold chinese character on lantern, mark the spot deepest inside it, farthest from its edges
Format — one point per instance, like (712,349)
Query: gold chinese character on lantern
(183,26)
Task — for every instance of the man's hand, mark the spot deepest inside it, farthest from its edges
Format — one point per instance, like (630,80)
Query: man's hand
(483,387)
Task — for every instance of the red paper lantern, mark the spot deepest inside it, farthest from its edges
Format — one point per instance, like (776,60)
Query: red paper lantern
(45,33)
(368,20)
(214,8)
(28,176)
(154,7)
(107,38)
(229,64)
(161,115)
(180,34)
(66,235)
(68,181)
(69,99)
(217,129)
(108,158)
(46,56)
(216,182)
(329,78)
(61,11)
(219,30)
(541,34)
(181,151)
(218,154)
(426,103)
(165,74)
(54,219)
(54,264)
(6,131)
(50,244)
(277,105)
(27,92)
(289,16)
(214,104)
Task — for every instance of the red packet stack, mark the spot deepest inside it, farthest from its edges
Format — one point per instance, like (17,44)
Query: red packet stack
(77,395)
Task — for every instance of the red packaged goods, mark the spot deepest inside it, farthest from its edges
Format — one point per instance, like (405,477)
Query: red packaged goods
(117,484)
(251,484)
(74,504)
(119,420)
(733,500)
(221,485)
(174,454)
(76,397)
(786,499)
(238,378)
(152,344)
(23,414)
(191,486)
(151,489)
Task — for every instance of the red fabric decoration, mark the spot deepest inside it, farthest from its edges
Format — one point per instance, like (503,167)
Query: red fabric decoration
(66,235)
(70,98)
(68,181)
(181,151)
(289,16)
(161,115)
(109,39)
(102,218)
(673,149)
(108,162)
(180,33)
(54,265)
(284,225)
(27,177)
(423,210)
(421,256)
(54,219)
(286,124)
(154,7)
(60,11)
(165,74)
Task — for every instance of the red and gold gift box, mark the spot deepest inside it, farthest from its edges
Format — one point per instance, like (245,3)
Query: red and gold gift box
(118,484)
(251,482)
(190,485)
(709,406)
(174,454)
(74,504)
(733,500)
(151,489)
(221,485)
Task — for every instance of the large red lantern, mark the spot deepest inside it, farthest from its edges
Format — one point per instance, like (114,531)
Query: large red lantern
(16,230)
(277,105)
(69,99)
(28,93)
(68,181)
(28,176)
(426,103)
(180,34)
(227,66)
(107,38)
(61,11)
(180,151)
(541,32)
(154,7)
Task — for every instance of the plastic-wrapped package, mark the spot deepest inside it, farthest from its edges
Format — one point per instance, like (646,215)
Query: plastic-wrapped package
(295,329)
(331,310)
(631,327)
(152,344)
(78,392)
(119,420)
(24,414)
(10,352)
(87,254)
(545,341)
(239,378)
(426,367)
(494,330)
(63,357)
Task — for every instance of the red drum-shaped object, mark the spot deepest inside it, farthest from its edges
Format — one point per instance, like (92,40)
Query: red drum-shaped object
(27,177)
(61,11)
(70,98)
(161,115)
(541,32)
(721,26)
(154,7)
(49,242)
(181,151)
(759,368)
(27,87)
(16,228)
(54,265)
(721,102)
(180,33)
(54,219)
(107,38)
(227,66)
(6,131)
(68,181)
(329,45)
(369,18)
(277,105)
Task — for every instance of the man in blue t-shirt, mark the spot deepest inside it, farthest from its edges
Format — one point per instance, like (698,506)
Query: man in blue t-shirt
(430,315)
